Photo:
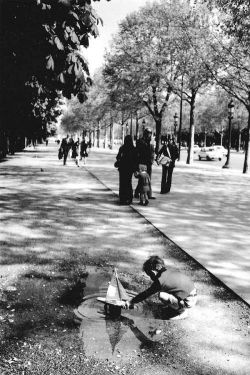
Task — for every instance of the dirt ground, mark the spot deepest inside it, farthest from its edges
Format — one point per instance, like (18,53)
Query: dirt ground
(62,232)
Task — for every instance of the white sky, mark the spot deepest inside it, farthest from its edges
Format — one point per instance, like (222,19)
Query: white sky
(111,12)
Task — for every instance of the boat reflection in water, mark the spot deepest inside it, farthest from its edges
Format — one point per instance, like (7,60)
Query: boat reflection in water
(108,331)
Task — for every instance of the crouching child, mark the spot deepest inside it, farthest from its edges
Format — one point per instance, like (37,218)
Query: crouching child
(175,290)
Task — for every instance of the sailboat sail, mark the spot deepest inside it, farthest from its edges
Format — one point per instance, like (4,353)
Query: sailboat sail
(122,292)
(116,293)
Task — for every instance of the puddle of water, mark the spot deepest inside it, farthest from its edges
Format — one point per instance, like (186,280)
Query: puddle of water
(105,337)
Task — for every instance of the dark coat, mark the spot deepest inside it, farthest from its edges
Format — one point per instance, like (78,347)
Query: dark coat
(66,145)
(74,150)
(127,159)
(84,147)
(145,152)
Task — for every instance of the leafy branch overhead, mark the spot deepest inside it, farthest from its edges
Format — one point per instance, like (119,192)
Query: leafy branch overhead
(42,53)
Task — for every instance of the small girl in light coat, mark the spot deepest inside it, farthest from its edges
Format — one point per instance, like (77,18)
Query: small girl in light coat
(144,184)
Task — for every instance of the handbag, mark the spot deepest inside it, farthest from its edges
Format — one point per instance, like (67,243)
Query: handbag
(164,160)
(60,154)
(117,164)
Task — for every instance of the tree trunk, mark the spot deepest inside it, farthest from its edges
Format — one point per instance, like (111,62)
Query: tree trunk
(180,123)
(98,135)
(137,127)
(123,133)
(245,167)
(105,137)
(111,136)
(239,140)
(131,125)
(157,115)
(158,121)
(190,157)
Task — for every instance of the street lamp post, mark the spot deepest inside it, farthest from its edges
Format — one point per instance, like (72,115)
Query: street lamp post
(230,117)
(175,123)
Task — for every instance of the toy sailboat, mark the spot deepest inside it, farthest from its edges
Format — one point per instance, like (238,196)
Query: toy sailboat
(116,294)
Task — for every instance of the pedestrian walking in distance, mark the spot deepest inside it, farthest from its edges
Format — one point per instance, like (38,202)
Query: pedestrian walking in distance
(66,145)
(175,290)
(75,146)
(126,162)
(168,154)
(144,184)
(146,155)
(83,150)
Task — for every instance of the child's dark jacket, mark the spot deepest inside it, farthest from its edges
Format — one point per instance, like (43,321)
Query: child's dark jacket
(170,281)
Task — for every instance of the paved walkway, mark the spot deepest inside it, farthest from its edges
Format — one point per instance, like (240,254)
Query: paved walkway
(207,214)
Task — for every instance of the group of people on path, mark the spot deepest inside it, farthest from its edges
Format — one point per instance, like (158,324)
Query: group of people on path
(138,160)
(78,153)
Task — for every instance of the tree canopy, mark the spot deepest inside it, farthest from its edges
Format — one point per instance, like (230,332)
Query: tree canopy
(154,51)
(235,18)
(41,58)
(143,61)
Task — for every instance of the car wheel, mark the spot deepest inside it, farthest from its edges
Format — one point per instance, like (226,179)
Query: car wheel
(199,158)
(208,158)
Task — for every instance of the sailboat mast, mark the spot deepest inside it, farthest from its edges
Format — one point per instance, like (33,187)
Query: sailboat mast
(117,283)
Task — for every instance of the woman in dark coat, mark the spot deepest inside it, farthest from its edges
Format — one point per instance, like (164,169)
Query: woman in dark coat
(126,163)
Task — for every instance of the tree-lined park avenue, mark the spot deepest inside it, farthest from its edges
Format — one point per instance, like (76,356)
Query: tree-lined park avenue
(181,60)
(182,69)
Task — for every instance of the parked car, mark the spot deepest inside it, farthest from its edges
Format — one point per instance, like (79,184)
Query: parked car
(222,149)
(210,153)
(196,149)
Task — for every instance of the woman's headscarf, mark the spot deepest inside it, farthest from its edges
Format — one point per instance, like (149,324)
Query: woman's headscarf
(128,142)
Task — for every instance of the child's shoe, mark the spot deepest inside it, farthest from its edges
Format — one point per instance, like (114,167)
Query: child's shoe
(141,203)
(146,203)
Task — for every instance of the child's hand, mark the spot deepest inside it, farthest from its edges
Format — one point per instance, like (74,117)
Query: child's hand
(128,305)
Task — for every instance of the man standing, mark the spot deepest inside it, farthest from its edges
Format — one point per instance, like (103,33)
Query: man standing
(145,154)
(174,154)
(169,149)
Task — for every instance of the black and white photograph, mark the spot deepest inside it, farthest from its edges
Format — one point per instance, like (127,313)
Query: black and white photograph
(124,187)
